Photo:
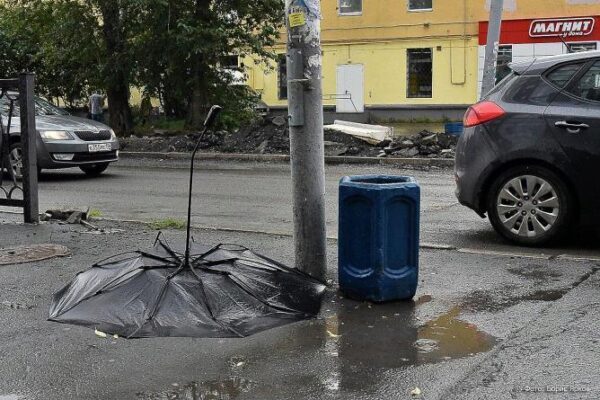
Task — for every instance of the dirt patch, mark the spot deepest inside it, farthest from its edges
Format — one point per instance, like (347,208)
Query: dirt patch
(272,137)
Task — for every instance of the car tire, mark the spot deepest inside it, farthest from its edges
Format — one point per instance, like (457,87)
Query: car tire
(94,169)
(530,205)
(15,158)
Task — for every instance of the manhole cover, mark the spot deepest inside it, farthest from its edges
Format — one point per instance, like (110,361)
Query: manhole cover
(32,253)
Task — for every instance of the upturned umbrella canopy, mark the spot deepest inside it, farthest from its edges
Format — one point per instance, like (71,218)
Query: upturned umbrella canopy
(196,291)
(224,291)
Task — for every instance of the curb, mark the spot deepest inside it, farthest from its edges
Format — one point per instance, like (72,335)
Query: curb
(331,160)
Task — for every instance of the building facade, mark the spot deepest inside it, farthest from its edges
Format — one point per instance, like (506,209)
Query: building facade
(422,59)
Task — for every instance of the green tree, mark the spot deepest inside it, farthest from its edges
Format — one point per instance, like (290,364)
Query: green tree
(184,42)
(73,47)
(42,39)
(172,48)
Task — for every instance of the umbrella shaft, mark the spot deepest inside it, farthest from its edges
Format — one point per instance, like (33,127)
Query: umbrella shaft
(189,215)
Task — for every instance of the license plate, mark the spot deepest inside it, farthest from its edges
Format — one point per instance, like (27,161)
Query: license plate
(94,148)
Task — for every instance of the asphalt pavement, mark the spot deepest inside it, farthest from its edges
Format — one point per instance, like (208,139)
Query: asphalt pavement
(490,320)
(256,197)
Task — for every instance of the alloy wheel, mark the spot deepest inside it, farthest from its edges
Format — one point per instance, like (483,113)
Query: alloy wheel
(528,206)
(16,161)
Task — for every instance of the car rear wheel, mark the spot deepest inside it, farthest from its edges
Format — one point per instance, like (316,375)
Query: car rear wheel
(530,205)
(94,169)
(15,160)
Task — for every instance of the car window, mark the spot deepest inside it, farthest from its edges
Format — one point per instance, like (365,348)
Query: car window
(588,86)
(562,75)
(531,90)
(502,84)
(42,107)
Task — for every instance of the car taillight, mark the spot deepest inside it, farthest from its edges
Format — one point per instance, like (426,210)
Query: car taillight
(482,112)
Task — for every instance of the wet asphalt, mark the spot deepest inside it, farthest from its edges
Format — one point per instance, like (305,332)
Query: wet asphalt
(490,320)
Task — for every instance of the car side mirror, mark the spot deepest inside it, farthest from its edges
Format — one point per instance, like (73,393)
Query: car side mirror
(212,115)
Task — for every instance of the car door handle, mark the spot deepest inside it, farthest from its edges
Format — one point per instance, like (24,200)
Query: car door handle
(572,127)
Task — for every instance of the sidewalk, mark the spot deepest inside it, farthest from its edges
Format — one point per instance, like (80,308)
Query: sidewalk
(482,327)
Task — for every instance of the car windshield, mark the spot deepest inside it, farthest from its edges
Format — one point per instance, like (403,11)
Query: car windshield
(42,107)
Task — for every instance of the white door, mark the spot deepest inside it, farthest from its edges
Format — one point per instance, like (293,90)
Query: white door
(350,97)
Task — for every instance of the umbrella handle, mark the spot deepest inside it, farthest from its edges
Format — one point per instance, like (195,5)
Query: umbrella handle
(210,120)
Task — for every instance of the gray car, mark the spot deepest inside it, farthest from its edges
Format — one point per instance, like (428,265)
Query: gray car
(530,152)
(63,140)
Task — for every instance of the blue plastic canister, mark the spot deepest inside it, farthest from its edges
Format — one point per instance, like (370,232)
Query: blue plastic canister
(454,128)
(379,237)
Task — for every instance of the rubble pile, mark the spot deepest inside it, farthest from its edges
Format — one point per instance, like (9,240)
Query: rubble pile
(272,137)
(423,144)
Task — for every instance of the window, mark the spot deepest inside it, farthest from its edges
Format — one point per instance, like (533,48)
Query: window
(230,62)
(579,47)
(282,77)
(504,58)
(420,5)
(419,79)
(562,75)
(588,86)
(530,90)
(350,7)
(503,83)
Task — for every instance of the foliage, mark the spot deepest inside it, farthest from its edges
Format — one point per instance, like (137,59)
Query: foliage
(183,45)
(173,48)
(54,41)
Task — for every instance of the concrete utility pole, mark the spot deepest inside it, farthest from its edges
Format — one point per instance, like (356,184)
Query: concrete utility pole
(303,19)
(491,47)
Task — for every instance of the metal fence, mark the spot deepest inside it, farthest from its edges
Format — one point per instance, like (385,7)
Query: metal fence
(18,157)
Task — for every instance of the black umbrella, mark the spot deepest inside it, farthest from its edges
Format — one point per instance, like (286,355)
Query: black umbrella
(196,291)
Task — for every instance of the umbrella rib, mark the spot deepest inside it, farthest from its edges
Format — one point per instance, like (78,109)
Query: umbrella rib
(245,288)
(159,258)
(102,263)
(203,255)
(210,311)
(285,268)
(168,249)
(154,310)
(212,263)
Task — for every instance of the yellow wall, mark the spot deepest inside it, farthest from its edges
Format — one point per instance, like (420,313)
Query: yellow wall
(379,37)
(523,9)
(385,71)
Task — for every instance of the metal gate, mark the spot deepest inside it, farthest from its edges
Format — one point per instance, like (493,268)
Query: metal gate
(18,157)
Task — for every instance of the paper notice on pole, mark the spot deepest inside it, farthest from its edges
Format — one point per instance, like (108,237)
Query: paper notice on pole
(297,19)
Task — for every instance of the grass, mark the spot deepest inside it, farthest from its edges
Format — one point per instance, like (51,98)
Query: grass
(94,213)
(167,223)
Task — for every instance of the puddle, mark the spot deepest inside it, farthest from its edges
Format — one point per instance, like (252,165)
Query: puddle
(447,337)
(479,301)
(390,336)
(210,390)
(544,295)
(10,397)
